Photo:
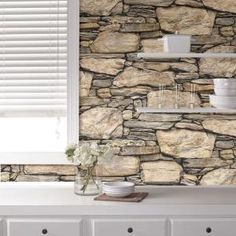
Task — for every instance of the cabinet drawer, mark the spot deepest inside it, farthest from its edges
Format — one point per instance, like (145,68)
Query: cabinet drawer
(41,227)
(203,227)
(129,227)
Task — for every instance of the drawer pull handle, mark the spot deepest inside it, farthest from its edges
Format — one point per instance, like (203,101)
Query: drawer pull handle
(130,230)
(208,230)
(44,231)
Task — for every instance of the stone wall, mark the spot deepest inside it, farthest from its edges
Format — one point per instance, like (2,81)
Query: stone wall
(193,149)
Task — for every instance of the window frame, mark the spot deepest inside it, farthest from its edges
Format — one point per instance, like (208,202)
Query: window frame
(58,158)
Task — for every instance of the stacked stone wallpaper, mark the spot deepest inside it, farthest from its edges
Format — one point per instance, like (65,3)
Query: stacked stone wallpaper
(161,149)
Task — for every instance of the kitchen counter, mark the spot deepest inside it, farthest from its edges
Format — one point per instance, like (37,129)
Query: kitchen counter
(58,198)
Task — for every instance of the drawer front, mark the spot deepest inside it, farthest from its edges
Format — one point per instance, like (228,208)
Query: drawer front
(129,227)
(203,227)
(24,227)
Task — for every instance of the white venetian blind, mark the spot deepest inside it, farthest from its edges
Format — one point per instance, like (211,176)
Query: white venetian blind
(33,57)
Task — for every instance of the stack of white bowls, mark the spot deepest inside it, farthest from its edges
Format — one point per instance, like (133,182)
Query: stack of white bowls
(225,94)
(118,189)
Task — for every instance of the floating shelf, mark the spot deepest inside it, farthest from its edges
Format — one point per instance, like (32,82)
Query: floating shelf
(182,55)
(186,110)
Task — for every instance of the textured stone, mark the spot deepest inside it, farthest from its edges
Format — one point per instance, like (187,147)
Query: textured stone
(85,83)
(4,176)
(207,162)
(219,67)
(183,143)
(100,123)
(191,126)
(220,177)
(227,31)
(198,87)
(148,125)
(167,99)
(227,154)
(49,169)
(104,93)
(226,5)
(159,117)
(102,83)
(189,180)
(158,3)
(191,3)
(152,45)
(225,144)
(227,127)
(142,90)
(116,167)
(225,21)
(132,77)
(184,66)
(137,27)
(88,26)
(115,42)
(98,7)
(212,39)
(186,20)
(125,143)
(161,172)
(127,115)
(93,101)
(36,178)
(118,19)
(146,150)
(183,77)
(142,135)
(105,66)
(157,66)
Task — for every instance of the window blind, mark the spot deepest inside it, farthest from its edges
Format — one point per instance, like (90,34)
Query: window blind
(33,57)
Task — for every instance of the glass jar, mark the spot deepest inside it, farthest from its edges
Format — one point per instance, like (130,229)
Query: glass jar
(86,182)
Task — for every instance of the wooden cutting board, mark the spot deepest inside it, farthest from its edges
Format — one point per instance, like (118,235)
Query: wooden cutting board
(134,197)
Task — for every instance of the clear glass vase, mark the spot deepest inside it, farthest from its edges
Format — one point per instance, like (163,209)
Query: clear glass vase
(87,183)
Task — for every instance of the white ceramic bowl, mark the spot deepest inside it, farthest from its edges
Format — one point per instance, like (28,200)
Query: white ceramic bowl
(223,102)
(222,83)
(225,92)
(176,43)
(118,189)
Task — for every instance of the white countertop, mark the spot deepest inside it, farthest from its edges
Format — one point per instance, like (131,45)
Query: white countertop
(58,198)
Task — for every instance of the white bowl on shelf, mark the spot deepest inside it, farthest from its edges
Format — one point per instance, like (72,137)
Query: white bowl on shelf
(222,83)
(225,92)
(223,102)
(118,189)
(176,43)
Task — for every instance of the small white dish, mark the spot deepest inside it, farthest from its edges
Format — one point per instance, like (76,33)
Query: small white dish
(118,189)
(223,102)
(225,92)
(222,83)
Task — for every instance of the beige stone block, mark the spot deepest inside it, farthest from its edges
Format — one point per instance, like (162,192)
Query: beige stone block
(100,123)
(161,172)
(186,20)
(183,143)
(132,77)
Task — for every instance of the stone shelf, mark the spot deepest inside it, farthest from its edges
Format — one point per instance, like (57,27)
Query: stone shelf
(182,55)
(186,110)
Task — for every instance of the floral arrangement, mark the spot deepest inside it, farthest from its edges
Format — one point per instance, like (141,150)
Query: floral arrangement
(86,156)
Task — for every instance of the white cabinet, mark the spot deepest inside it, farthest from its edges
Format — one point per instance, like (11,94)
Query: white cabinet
(203,227)
(1,227)
(129,227)
(41,227)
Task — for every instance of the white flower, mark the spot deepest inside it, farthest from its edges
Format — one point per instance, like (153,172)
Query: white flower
(87,154)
